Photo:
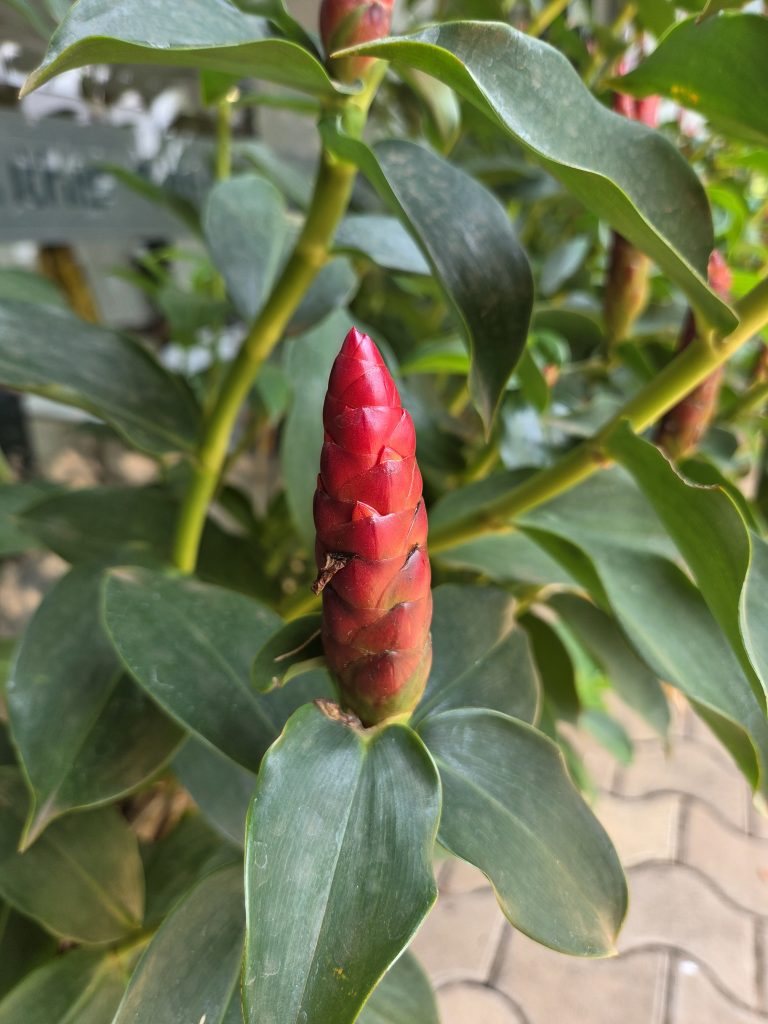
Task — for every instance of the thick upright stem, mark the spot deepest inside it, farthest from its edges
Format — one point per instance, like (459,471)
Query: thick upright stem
(331,197)
(677,379)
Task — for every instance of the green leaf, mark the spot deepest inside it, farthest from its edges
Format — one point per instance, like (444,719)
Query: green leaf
(213,35)
(632,680)
(24,286)
(191,969)
(23,947)
(136,525)
(555,667)
(14,498)
(338,866)
(480,657)
(507,557)
(275,662)
(714,67)
(244,226)
(223,789)
(308,362)
(707,529)
(624,560)
(82,879)
(178,861)
(220,787)
(97,370)
(510,809)
(403,996)
(191,646)
(81,986)
(382,239)
(85,733)
(477,258)
(332,288)
(754,602)
(625,173)
(161,195)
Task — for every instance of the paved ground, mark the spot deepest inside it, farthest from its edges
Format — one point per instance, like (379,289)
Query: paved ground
(694,949)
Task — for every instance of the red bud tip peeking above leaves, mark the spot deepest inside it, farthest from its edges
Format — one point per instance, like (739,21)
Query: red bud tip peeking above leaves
(682,428)
(348,22)
(371,539)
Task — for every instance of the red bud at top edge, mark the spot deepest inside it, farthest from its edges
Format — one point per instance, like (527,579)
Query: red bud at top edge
(346,23)
(371,539)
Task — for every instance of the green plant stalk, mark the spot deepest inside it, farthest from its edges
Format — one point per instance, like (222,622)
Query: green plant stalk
(546,16)
(676,380)
(224,113)
(333,188)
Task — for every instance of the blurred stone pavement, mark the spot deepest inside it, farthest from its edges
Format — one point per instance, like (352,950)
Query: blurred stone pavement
(694,948)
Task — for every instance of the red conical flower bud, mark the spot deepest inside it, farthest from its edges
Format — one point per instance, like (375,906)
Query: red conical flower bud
(371,539)
(680,431)
(348,22)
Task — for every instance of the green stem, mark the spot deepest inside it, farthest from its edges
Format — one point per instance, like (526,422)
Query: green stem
(546,16)
(331,197)
(676,380)
(224,136)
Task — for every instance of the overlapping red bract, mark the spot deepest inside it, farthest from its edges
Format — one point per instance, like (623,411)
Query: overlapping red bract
(371,539)
(349,22)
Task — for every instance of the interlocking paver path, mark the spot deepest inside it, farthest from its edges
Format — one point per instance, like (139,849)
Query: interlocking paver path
(694,948)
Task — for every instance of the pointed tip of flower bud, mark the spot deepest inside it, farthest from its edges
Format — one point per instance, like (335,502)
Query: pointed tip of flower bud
(360,346)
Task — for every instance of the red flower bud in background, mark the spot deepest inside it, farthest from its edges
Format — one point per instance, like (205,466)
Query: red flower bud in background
(348,22)
(626,284)
(681,429)
(371,539)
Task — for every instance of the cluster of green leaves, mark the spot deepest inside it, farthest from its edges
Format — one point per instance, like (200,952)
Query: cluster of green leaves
(290,888)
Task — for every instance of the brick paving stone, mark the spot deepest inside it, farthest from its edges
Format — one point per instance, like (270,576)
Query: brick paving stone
(557,989)
(758,822)
(737,862)
(599,764)
(636,727)
(641,829)
(672,906)
(460,936)
(689,768)
(462,1003)
(696,1000)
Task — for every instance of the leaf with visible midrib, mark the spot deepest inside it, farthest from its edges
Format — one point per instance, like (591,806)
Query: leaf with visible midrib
(338,866)
(212,35)
(625,173)
(80,987)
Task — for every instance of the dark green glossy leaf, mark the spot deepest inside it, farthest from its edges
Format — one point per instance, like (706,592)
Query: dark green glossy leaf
(162,195)
(624,560)
(708,530)
(136,525)
(625,173)
(308,362)
(173,864)
(213,35)
(244,226)
(333,287)
(82,879)
(80,987)
(754,627)
(338,866)
(191,968)
(480,657)
(555,668)
(507,557)
(98,370)
(510,808)
(477,258)
(191,646)
(23,947)
(403,996)
(714,67)
(24,286)
(14,498)
(85,733)
(631,678)
(298,641)
(220,787)
(608,732)
(223,789)
(383,240)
